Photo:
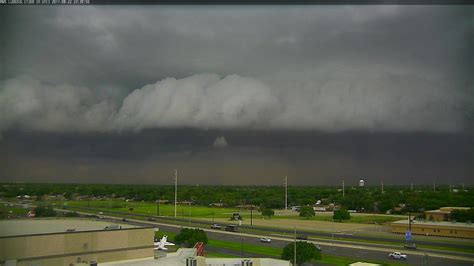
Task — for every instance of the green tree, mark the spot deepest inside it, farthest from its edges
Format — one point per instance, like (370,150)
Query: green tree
(307,211)
(44,212)
(189,237)
(305,251)
(341,214)
(268,212)
(462,215)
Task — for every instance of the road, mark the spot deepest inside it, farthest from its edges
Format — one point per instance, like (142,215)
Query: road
(362,253)
(321,235)
(362,250)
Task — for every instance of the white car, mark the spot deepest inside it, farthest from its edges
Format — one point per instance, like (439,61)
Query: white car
(265,240)
(397,256)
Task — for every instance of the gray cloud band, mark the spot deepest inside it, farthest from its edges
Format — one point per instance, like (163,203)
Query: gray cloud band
(209,101)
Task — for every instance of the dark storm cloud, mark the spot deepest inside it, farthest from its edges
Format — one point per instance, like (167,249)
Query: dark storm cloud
(236,95)
(336,68)
(256,157)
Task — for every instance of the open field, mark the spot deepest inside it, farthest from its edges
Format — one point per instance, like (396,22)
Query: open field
(224,213)
(310,225)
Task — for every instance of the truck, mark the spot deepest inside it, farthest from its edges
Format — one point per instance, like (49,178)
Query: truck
(231,228)
(397,256)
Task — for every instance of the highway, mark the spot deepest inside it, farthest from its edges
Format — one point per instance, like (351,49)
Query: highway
(364,253)
(322,236)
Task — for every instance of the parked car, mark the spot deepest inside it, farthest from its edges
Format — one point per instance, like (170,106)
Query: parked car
(265,240)
(397,256)
(216,226)
(302,237)
(410,246)
(231,228)
(151,219)
(124,220)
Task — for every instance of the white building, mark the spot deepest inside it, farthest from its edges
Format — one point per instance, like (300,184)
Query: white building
(361,183)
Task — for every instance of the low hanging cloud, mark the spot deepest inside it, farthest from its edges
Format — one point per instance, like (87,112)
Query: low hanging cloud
(381,102)
(220,142)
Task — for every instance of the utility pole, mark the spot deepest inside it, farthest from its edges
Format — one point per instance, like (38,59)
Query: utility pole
(251,214)
(158,207)
(175,191)
(343,188)
(286,193)
(294,251)
(190,214)
(434,186)
(382,187)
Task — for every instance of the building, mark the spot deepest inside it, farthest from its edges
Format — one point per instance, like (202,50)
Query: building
(187,257)
(442,214)
(71,241)
(361,183)
(429,228)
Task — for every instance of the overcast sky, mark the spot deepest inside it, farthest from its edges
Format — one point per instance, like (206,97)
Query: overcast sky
(216,90)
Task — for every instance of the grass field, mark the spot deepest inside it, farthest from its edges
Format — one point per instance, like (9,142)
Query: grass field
(219,212)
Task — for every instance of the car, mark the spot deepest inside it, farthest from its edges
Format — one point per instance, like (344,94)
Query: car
(397,256)
(216,226)
(152,219)
(265,240)
(318,247)
(124,220)
(231,228)
(410,246)
(302,237)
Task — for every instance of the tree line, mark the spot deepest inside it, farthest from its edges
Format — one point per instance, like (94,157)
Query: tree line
(362,199)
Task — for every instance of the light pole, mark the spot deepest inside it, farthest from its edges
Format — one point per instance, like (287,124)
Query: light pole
(294,251)
(175,191)
(251,214)
(286,193)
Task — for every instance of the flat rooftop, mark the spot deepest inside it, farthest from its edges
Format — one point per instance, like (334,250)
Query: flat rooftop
(441,223)
(17,227)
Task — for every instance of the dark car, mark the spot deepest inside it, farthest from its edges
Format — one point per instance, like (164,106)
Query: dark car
(302,237)
(410,246)
(231,228)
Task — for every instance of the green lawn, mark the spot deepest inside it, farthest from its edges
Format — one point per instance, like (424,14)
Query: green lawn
(209,212)
(6,210)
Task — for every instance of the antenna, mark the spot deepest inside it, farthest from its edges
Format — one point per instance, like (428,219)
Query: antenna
(175,191)
(286,193)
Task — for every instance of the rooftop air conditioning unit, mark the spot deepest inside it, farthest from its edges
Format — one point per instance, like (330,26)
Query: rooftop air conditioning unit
(247,262)
(191,261)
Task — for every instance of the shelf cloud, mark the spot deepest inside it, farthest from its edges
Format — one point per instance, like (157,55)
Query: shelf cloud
(210,101)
